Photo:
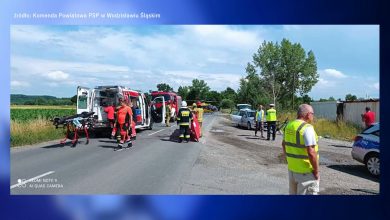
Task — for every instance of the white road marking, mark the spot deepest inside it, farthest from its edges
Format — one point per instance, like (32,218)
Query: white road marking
(156,132)
(30,180)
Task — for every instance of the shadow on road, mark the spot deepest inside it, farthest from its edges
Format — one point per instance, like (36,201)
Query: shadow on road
(109,146)
(57,145)
(67,144)
(340,146)
(356,170)
(244,135)
(367,191)
(111,141)
(174,137)
(255,138)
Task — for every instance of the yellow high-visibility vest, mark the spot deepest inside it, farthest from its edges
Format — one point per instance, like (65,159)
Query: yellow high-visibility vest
(271,115)
(199,114)
(296,152)
(258,113)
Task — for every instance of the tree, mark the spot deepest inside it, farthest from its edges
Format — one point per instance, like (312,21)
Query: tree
(331,99)
(229,93)
(164,87)
(74,99)
(183,92)
(286,70)
(227,103)
(251,89)
(350,97)
(214,97)
(268,60)
(198,90)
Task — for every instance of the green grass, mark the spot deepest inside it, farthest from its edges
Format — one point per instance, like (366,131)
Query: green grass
(327,128)
(33,131)
(31,124)
(336,130)
(29,114)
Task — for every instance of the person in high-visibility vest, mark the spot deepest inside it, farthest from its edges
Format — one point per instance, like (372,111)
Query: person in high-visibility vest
(300,146)
(259,120)
(271,122)
(199,114)
(183,120)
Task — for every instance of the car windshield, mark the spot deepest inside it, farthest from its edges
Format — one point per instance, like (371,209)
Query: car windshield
(371,129)
(243,106)
(166,97)
(251,114)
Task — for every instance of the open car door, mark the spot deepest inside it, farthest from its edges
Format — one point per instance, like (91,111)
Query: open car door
(83,100)
(158,114)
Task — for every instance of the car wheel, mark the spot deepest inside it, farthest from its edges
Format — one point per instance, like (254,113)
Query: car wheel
(249,126)
(373,164)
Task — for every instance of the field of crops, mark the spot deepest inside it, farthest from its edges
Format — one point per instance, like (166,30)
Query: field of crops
(29,114)
(30,124)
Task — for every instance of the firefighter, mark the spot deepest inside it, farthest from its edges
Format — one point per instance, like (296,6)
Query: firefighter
(199,114)
(168,110)
(133,105)
(183,120)
(124,120)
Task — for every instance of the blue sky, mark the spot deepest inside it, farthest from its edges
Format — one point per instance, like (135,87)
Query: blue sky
(54,60)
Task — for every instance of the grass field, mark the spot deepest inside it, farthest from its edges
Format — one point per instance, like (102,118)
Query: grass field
(31,124)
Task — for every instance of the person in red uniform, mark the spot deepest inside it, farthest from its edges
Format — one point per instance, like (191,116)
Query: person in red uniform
(110,110)
(124,120)
(369,117)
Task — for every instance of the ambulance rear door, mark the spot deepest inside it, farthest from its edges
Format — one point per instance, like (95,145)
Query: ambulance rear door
(83,100)
(158,114)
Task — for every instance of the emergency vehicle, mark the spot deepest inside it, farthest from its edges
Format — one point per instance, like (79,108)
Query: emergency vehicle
(171,97)
(95,100)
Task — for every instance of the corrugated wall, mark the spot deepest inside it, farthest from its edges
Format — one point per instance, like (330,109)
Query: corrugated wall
(353,111)
(326,110)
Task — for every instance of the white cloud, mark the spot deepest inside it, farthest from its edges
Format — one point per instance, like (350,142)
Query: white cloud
(57,75)
(334,73)
(376,85)
(217,35)
(323,83)
(15,83)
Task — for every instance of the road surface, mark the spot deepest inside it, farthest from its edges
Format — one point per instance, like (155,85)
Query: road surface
(227,160)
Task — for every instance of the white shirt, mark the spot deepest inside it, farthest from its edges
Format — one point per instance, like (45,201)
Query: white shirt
(309,136)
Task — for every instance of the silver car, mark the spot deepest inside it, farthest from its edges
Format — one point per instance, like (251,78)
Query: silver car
(365,149)
(244,118)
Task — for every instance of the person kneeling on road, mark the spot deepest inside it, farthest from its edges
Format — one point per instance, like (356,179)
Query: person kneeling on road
(183,120)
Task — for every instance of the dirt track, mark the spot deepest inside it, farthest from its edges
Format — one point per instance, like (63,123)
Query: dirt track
(234,161)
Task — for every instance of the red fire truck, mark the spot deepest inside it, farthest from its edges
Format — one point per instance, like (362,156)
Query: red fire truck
(172,98)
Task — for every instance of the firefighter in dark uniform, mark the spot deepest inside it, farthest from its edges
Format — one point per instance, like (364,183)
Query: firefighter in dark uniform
(184,120)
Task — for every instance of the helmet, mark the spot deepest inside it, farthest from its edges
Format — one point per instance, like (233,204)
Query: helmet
(198,103)
(184,103)
(272,105)
(194,104)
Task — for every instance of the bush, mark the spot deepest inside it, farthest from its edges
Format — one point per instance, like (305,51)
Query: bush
(227,103)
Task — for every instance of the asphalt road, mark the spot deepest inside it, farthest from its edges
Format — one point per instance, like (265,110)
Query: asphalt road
(154,165)
(227,160)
